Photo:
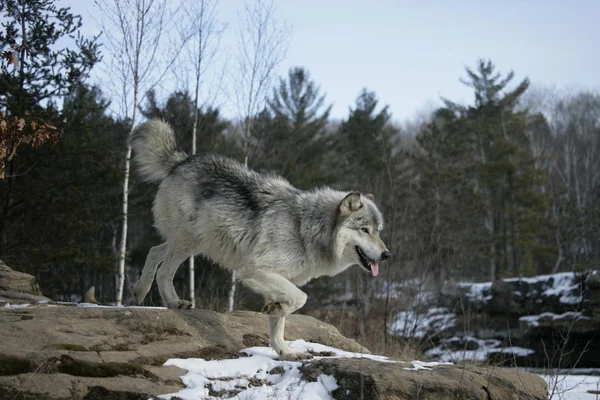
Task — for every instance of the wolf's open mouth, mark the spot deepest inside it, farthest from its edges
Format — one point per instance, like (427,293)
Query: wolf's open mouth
(366,263)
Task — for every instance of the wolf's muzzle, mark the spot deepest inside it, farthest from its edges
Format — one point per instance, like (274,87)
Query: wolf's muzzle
(385,255)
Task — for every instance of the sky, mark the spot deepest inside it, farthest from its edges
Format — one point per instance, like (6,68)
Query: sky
(411,53)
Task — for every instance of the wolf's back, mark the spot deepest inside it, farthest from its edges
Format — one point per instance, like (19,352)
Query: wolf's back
(155,149)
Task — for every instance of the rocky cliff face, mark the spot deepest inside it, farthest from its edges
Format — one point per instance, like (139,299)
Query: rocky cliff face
(544,321)
(67,351)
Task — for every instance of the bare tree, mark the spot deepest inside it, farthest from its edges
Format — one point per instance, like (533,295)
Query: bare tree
(262,45)
(135,32)
(204,33)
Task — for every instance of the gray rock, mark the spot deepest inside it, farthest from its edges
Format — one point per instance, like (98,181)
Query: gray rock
(53,352)
(18,282)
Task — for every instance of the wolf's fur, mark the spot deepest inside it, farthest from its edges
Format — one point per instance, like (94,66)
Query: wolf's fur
(275,237)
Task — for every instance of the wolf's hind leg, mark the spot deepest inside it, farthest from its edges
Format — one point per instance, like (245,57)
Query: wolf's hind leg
(155,256)
(165,275)
(283,298)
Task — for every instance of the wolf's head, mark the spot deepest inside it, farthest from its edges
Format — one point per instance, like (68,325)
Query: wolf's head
(360,223)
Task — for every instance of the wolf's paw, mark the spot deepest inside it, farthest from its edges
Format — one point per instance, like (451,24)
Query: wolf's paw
(139,293)
(274,309)
(180,304)
(295,356)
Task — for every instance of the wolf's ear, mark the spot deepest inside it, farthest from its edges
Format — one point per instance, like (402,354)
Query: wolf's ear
(350,204)
(370,196)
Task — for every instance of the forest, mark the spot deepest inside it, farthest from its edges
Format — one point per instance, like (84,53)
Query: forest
(507,185)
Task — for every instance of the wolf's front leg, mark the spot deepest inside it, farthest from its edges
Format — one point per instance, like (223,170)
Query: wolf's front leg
(276,328)
(283,298)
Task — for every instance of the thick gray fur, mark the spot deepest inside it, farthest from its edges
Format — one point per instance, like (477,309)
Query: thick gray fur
(275,236)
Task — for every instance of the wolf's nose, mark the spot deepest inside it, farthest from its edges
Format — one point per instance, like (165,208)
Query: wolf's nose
(385,255)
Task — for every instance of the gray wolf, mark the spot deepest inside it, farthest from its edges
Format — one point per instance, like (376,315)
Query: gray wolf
(273,235)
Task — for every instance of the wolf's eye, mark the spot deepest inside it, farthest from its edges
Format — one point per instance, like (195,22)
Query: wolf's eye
(365,230)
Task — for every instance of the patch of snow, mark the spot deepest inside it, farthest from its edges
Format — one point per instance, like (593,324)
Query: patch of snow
(484,348)
(304,346)
(92,305)
(412,324)
(477,290)
(421,365)
(533,320)
(8,305)
(561,284)
(572,387)
(249,376)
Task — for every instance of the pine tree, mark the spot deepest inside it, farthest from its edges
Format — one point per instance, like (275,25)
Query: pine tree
(494,158)
(292,133)
(36,73)
(67,205)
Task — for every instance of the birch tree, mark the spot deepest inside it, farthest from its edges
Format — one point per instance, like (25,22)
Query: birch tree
(262,45)
(136,32)
(204,33)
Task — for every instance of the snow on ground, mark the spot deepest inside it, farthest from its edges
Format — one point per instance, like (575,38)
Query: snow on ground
(415,325)
(484,347)
(8,305)
(562,284)
(573,387)
(533,320)
(69,303)
(248,378)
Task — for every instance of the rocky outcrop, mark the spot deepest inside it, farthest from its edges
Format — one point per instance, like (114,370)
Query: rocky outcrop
(18,286)
(544,321)
(593,285)
(52,351)
(376,380)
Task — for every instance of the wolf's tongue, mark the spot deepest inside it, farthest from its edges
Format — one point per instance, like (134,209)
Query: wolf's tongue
(374,268)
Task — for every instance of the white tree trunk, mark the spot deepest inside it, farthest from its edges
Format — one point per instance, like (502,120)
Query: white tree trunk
(231,306)
(125,209)
(123,245)
(192,271)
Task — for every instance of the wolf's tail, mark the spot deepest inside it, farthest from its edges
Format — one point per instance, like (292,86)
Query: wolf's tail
(155,149)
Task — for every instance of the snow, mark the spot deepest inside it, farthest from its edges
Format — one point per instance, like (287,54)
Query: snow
(484,347)
(420,365)
(84,305)
(533,320)
(572,387)
(250,377)
(8,305)
(561,284)
(91,305)
(477,290)
(412,324)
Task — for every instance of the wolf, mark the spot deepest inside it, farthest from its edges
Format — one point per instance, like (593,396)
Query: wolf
(273,235)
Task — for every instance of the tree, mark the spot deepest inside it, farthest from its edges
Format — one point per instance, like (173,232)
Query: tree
(136,31)
(293,143)
(368,163)
(567,139)
(262,45)
(67,206)
(204,36)
(35,71)
(494,159)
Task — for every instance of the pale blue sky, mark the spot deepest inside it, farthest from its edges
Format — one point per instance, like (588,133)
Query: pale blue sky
(412,52)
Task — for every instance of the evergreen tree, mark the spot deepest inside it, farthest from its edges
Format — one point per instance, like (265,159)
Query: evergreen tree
(68,203)
(485,146)
(291,133)
(366,145)
(37,71)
